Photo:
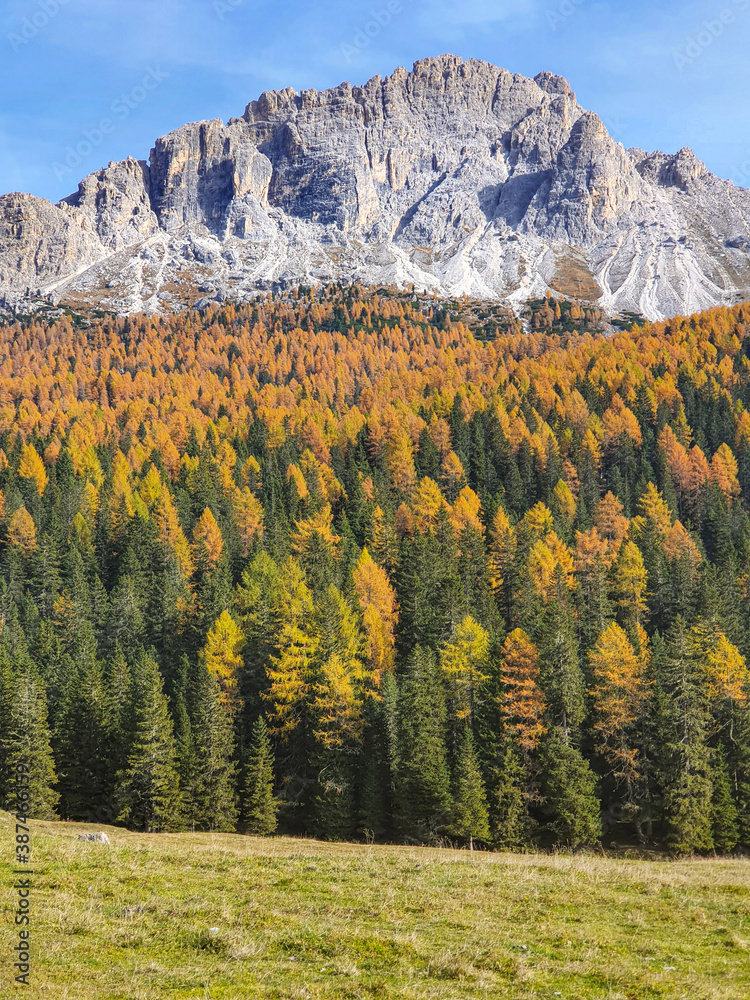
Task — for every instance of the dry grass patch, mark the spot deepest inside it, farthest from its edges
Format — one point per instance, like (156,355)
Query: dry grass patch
(218,916)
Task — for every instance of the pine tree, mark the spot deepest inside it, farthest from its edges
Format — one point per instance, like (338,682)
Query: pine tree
(259,807)
(688,773)
(380,761)
(187,764)
(84,748)
(470,816)
(118,691)
(569,789)
(423,783)
(724,820)
(509,824)
(214,796)
(559,669)
(26,742)
(148,788)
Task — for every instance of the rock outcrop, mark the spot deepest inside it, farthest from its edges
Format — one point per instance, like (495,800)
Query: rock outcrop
(457,177)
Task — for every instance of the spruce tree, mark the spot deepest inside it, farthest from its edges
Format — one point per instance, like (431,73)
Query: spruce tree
(380,766)
(214,795)
(148,789)
(84,747)
(259,806)
(187,764)
(569,790)
(26,742)
(509,824)
(470,816)
(423,784)
(738,761)
(120,724)
(559,670)
(724,819)
(688,772)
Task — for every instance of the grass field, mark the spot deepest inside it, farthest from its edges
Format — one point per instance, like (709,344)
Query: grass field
(217,916)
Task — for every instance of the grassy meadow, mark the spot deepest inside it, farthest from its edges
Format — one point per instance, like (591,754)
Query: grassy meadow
(236,918)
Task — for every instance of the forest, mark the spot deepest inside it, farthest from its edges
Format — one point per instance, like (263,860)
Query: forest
(340,562)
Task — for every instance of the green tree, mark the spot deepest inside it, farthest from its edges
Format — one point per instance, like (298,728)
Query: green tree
(26,744)
(569,790)
(509,825)
(724,819)
(259,806)
(380,761)
(148,789)
(559,669)
(470,816)
(214,794)
(84,748)
(423,797)
(688,778)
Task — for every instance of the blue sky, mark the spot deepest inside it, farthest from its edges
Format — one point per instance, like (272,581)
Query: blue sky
(661,77)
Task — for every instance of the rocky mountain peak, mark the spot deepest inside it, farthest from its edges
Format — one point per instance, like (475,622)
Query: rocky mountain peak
(456,176)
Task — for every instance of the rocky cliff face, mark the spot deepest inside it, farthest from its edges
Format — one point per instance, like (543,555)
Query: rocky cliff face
(457,177)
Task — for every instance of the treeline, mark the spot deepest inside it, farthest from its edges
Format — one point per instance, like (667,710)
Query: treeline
(320,564)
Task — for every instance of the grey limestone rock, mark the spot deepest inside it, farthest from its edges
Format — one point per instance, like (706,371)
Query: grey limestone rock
(457,177)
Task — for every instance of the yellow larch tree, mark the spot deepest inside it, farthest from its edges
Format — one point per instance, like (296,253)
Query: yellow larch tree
(22,531)
(222,654)
(464,660)
(377,599)
(619,693)
(207,541)
(32,467)
(522,703)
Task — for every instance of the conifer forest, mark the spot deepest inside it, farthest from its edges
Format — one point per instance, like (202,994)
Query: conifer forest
(367,565)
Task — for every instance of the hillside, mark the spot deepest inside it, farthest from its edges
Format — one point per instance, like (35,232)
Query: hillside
(382,567)
(211,915)
(454,178)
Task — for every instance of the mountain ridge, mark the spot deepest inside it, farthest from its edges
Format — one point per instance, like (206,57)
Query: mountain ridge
(457,177)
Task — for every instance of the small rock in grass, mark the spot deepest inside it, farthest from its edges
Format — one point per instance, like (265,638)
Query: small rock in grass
(94,838)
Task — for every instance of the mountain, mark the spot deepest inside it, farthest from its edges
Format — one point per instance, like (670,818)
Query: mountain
(458,177)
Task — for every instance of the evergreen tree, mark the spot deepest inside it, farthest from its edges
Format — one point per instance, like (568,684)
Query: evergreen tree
(259,807)
(509,825)
(423,783)
(214,804)
(470,816)
(688,779)
(380,761)
(6,701)
(569,790)
(84,748)
(148,788)
(724,820)
(187,763)
(26,744)
(560,673)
